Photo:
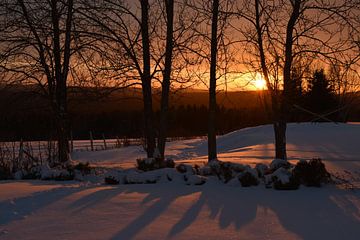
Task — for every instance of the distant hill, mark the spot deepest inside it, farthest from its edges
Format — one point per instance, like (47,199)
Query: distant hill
(25,114)
(29,98)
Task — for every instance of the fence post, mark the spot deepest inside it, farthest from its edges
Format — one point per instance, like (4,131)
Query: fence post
(71,142)
(91,141)
(118,143)
(40,154)
(105,147)
(21,150)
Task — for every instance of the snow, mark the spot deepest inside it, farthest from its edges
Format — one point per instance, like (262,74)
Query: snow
(251,171)
(195,179)
(160,211)
(214,210)
(261,169)
(337,144)
(160,175)
(278,163)
(282,175)
(50,173)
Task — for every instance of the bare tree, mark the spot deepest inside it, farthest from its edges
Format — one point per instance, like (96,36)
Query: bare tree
(345,81)
(214,57)
(36,43)
(120,29)
(212,151)
(169,11)
(146,80)
(145,38)
(279,33)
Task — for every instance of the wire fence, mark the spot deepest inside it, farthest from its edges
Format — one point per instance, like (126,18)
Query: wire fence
(84,145)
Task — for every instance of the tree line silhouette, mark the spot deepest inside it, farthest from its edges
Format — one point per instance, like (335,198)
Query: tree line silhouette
(316,94)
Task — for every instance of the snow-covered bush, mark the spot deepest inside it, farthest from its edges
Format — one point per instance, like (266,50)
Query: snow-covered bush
(84,168)
(44,172)
(311,173)
(33,173)
(283,179)
(262,169)
(133,176)
(249,177)
(226,170)
(19,160)
(59,174)
(155,176)
(141,178)
(117,176)
(149,164)
(185,168)
(204,171)
(194,179)
(222,170)
(279,163)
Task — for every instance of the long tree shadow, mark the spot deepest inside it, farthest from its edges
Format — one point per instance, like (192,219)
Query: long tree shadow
(318,213)
(310,213)
(17,209)
(165,198)
(93,198)
(223,204)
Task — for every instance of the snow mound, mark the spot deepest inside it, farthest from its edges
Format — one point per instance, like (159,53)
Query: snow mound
(279,163)
(282,175)
(155,176)
(249,177)
(195,179)
(48,173)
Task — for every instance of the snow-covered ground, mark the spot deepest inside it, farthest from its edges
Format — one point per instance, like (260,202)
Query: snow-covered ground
(73,210)
(337,144)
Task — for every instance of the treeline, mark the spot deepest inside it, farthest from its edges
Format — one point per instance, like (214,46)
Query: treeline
(114,117)
(314,99)
(185,120)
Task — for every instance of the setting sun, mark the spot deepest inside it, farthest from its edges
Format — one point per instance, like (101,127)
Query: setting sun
(259,83)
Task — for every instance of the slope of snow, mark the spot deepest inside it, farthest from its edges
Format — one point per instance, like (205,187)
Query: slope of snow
(337,144)
(74,210)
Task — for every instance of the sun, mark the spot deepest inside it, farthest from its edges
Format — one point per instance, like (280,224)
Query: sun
(259,83)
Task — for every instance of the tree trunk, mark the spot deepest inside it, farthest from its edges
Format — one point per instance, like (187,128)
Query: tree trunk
(212,152)
(166,79)
(146,81)
(61,72)
(148,119)
(280,105)
(285,100)
(280,139)
(62,138)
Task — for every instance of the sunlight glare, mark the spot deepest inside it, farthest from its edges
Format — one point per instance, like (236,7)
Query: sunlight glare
(259,82)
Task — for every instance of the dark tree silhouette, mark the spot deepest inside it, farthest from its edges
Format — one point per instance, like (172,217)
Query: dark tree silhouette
(164,109)
(320,97)
(212,152)
(139,42)
(280,33)
(37,46)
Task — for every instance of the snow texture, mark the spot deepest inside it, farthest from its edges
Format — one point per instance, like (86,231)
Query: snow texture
(45,210)
(282,175)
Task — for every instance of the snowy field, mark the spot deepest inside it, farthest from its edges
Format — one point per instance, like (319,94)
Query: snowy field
(74,210)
